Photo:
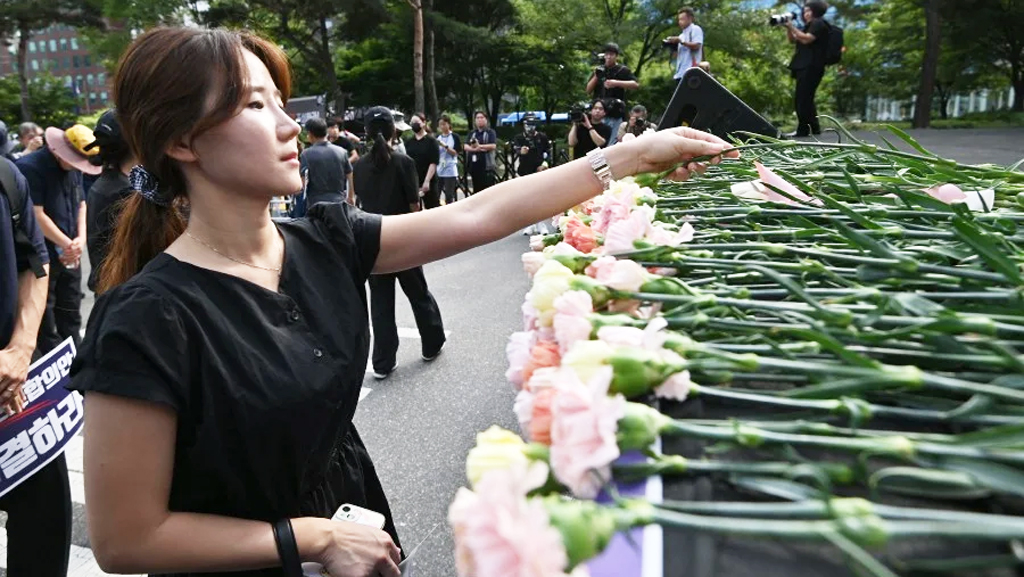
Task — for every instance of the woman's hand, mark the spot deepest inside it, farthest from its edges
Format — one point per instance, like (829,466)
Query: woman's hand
(664,149)
(354,550)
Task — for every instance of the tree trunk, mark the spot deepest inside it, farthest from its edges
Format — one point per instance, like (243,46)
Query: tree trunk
(417,54)
(433,108)
(929,70)
(1018,89)
(23,36)
(327,64)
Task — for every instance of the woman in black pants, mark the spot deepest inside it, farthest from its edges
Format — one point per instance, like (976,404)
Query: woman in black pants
(388,183)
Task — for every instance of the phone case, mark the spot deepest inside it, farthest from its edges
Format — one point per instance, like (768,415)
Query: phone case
(356,514)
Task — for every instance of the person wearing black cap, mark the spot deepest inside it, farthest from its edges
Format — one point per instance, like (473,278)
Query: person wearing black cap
(610,83)
(109,190)
(388,182)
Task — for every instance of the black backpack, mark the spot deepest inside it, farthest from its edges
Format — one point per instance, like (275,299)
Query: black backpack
(16,200)
(834,47)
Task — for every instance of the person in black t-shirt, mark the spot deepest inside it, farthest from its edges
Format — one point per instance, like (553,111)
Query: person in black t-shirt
(532,147)
(480,146)
(108,192)
(591,132)
(610,83)
(338,136)
(808,65)
(388,183)
(423,148)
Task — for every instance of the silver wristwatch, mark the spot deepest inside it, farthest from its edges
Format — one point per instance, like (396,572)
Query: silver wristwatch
(599,164)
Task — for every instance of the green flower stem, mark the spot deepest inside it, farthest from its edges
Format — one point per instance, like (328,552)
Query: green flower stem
(674,465)
(816,509)
(895,446)
(857,410)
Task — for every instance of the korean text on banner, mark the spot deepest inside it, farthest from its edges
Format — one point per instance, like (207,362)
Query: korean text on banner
(52,416)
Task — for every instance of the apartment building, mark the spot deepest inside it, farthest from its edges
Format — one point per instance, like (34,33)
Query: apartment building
(60,51)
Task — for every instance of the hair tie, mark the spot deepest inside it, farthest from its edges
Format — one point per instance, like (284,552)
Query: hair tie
(147,185)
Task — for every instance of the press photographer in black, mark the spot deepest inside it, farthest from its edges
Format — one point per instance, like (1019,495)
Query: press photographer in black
(588,129)
(808,64)
(610,83)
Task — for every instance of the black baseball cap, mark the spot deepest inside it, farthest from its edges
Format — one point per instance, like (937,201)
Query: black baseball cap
(107,131)
(380,116)
(612,47)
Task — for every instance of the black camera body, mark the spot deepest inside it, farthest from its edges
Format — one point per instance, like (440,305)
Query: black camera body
(576,113)
(781,19)
(668,44)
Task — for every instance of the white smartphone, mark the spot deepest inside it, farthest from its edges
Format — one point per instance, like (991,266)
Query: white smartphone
(351,514)
(357,514)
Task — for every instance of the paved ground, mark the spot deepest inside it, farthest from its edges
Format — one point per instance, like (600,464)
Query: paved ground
(1004,146)
(420,423)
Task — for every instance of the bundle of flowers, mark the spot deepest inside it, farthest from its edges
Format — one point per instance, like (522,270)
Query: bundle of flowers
(862,303)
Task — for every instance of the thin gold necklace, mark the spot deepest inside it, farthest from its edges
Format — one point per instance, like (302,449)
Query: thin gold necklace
(231,258)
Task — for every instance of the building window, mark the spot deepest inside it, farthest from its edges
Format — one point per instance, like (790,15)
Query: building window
(63,44)
(101,79)
(75,60)
(103,96)
(31,46)
(88,61)
(91,80)
(74,43)
(68,81)
(78,82)
(54,64)
(67,63)
(35,65)
(92,97)
(53,45)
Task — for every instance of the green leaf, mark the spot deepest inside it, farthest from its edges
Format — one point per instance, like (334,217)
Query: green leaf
(873,246)
(1003,436)
(987,249)
(859,556)
(930,483)
(779,488)
(910,140)
(849,212)
(917,305)
(1002,478)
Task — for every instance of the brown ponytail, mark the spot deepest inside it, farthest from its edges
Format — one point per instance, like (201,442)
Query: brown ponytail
(174,83)
(144,229)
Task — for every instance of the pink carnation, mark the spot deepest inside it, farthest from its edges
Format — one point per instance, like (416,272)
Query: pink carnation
(570,321)
(769,177)
(616,207)
(622,234)
(624,275)
(532,261)
(499,533)
(518,352)
(579,235)
(947,193)
(537,242)
(583,444)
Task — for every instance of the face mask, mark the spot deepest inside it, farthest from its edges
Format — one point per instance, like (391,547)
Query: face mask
(416,127)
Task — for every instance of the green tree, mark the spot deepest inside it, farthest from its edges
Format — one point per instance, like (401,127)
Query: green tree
(991,30)
(52,102)
(21,18)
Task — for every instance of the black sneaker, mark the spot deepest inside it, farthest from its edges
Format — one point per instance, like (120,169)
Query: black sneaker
(381,375)
(436,354)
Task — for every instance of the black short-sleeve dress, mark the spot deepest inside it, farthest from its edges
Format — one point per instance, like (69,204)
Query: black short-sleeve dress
(264,384)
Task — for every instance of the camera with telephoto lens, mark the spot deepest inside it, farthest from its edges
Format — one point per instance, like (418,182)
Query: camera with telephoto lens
(781,19)
(473,141)
(639,127)
(576,113)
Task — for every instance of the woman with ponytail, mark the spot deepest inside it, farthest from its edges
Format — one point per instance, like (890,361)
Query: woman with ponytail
(223,360)
(389,184)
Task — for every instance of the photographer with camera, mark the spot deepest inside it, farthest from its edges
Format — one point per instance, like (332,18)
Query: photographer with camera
(480,146)
(610,83)
(689,45)
(588,130)
(532,147)
(637,123)
(808,64)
